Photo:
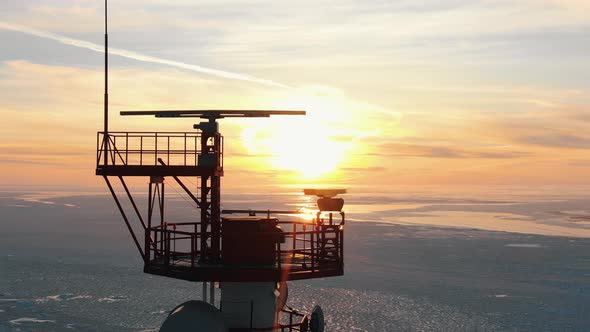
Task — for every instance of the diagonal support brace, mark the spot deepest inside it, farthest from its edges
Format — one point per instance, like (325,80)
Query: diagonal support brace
(183,186)
(124,216)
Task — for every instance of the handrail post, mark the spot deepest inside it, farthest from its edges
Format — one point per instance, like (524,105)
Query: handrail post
(156,150)
(294,239)
(140,150)
(157,252)
(192,250)
(114,149)
(279,254)
(167,247)
(304,245)
(312,249)
(127,148)
(98,148)
(196,239)
(341,242)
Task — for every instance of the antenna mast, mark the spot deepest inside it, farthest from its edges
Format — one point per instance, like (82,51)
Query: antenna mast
(106,84)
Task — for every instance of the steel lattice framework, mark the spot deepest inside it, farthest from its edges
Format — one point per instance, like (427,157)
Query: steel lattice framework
(314,249)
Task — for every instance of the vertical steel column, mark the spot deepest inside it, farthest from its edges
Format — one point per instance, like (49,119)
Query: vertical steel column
(150,206)
(156,192)
(210,156)
(216,216)
(162,201)
(205,218)
(215,198)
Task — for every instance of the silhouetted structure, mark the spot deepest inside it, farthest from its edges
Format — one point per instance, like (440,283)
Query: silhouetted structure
(214,249)
(251,257)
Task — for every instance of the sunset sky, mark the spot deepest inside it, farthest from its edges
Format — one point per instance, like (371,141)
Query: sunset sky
(397,92)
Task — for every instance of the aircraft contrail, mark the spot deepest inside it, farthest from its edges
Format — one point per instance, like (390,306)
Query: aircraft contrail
(147,58)
(137,56)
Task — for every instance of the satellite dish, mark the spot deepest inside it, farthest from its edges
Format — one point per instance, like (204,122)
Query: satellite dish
(194,316)
(283,290)
(323,192)
(327,200)
(316,323)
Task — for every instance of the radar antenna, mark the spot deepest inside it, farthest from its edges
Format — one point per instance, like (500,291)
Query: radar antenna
(250,257)
(106,83)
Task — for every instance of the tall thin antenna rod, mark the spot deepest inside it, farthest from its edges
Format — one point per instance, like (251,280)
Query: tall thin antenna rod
(106,84)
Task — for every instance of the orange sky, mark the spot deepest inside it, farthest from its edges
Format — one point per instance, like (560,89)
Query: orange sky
(395,95)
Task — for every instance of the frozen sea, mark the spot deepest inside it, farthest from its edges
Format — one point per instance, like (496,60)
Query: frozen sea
(476,259)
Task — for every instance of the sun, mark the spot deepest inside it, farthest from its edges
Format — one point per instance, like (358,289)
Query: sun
(310,146)
(294,145)
(307,150)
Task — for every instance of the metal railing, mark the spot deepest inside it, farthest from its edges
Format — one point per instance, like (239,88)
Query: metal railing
(309,246)
(172,244)
(145,148)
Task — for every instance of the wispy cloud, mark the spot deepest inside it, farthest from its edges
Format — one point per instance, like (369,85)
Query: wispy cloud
(137,56)
(445,152)
(558,141)
(420,92)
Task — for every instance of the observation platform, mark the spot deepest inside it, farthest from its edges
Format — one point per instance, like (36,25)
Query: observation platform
(307,249)
(158,154)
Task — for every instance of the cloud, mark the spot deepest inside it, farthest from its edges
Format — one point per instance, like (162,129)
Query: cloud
(445,152)
(364,169)
(137,56)
(558,141)
(551,125)
(478,99)
(29,162)
(584,163)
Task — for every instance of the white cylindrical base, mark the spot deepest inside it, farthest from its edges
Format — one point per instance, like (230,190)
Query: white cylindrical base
(249,304)
(194,316)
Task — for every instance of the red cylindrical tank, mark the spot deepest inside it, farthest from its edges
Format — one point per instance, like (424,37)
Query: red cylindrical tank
(250,240)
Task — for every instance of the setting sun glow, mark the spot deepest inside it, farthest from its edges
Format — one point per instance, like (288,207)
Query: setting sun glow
(306,149)
(310,146)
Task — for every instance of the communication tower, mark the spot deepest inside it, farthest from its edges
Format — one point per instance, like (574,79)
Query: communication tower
(250,257)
